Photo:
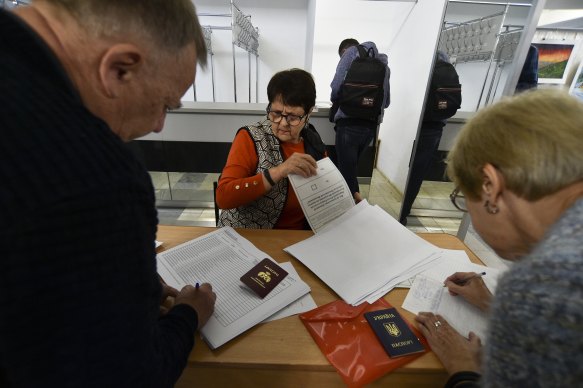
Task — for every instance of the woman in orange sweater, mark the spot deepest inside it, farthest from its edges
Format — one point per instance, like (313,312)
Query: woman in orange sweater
(253,190)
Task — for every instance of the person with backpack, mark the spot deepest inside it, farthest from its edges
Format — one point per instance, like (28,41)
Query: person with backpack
(443,100)
(360,93)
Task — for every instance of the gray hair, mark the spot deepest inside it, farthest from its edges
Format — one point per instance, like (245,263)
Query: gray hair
(169,24)
(535,139)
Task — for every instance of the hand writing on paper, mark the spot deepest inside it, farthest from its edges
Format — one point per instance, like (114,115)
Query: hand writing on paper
(455,352)
(471,287)
(201,299)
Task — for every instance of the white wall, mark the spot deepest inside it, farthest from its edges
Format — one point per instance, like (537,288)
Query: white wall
(283,27)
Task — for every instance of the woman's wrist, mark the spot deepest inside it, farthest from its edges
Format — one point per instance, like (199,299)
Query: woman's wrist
(268,177)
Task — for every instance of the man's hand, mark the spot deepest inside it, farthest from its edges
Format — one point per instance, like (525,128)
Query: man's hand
(168,295)
(201,299)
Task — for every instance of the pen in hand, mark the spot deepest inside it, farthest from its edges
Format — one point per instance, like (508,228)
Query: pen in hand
(462,282)
(196,285)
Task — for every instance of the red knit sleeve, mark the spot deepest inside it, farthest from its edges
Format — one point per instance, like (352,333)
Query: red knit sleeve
(239,184)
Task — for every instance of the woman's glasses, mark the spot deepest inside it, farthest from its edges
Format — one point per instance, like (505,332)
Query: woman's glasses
(458,200)
(276,117)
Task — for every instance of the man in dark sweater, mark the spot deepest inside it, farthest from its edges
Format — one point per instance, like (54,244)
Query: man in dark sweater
(79,293)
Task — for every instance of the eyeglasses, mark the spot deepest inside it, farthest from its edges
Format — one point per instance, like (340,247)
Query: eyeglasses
(275,117)
(458,200)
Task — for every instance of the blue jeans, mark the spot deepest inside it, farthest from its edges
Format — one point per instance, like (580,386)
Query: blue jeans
(351,140)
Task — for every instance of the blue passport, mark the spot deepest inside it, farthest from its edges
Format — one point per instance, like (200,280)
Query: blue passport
(394,333)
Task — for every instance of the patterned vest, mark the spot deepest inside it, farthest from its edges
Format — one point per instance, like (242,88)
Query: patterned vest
(264,212)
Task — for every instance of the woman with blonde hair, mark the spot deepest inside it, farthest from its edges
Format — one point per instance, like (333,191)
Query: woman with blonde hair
(518,167)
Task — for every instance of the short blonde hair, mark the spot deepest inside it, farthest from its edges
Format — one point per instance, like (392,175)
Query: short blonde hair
(534,139)
(169,24)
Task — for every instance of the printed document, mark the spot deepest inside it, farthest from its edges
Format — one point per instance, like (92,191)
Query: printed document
(221,258)
(323,197)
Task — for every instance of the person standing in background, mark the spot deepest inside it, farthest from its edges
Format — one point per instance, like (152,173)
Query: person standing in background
(529,75)
(79,292)
(353,133)
(444,92)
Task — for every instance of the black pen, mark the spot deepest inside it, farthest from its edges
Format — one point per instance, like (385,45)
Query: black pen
(464,281)
(477,275)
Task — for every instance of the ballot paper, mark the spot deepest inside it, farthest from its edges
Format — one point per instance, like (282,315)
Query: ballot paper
(428,294)
(324,196)
(221,258)
(364,253)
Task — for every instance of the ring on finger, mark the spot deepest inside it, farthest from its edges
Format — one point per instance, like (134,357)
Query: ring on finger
(437,323)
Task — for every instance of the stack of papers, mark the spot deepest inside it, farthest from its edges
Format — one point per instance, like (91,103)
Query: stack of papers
(364,253)
(428,294)
(221,258)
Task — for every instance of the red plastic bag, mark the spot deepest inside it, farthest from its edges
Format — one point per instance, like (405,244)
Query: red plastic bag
(350,344)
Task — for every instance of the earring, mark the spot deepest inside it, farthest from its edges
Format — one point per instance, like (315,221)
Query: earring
(491,209)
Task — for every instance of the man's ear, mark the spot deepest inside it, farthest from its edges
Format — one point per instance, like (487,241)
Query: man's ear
(493,182)
(119,65)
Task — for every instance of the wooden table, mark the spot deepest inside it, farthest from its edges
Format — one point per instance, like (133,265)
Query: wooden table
(282,353)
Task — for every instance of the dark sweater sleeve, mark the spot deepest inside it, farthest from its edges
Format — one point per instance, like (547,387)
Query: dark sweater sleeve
(465,379)
(79,293)
(84,310)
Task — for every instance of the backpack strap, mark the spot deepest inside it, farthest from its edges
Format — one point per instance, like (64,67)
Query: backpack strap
(362,51)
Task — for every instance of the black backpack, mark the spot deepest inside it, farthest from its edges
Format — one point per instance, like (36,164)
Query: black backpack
(445,93)
(361,95)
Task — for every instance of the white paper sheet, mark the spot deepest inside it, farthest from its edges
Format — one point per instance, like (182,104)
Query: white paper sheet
(323,197)
(447,253)
(429,294)
(453,261)
(362,250)
(305,303)
(221,258)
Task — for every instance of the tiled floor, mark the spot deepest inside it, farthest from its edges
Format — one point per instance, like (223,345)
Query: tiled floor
(187,199)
